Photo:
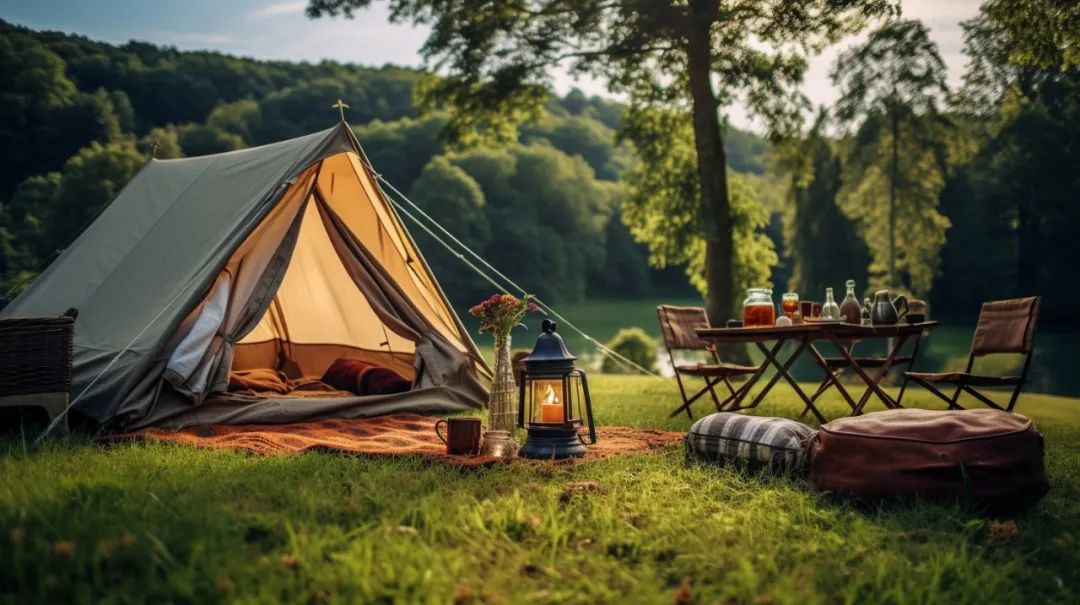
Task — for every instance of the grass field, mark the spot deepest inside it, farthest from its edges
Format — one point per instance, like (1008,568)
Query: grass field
(165,524)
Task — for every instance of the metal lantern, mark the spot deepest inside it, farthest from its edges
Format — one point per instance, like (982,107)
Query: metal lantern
(554,404)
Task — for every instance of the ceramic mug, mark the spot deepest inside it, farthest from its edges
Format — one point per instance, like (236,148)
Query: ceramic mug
(809,308)
(462,435)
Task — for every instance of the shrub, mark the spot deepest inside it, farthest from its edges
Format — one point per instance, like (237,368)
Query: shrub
(633,344)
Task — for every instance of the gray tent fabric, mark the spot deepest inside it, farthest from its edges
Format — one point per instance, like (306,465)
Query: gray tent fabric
(141,271)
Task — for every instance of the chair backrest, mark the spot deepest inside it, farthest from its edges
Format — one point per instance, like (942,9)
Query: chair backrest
(1006,326)
(677,324)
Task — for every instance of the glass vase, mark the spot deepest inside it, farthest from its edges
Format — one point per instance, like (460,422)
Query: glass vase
(502,399)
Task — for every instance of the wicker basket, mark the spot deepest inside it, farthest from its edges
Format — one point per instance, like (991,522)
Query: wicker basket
(35,355)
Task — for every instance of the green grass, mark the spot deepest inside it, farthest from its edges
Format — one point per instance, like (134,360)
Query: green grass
(163,523)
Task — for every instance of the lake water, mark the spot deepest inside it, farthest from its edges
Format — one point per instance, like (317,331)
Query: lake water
(1054,368)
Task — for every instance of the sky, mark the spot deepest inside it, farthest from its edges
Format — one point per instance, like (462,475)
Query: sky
(278,29)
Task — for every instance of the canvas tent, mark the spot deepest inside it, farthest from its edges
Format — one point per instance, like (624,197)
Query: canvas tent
(284,256)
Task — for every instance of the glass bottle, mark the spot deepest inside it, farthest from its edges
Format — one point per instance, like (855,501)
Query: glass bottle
(866,321)
(830,310)
(850,311)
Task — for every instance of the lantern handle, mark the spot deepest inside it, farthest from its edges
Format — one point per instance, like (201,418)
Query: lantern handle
(547,326)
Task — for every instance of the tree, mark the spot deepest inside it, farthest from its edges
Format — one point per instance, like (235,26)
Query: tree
(242,118)
(893,84)
(1018,44)
(162,143)
(1022,85)
(402,148)
(15,262)
(89,180)
(577,135)
(47,211)
(25,213)
(547,213)
(203,139)
(456,201)
(495,61)
(625,271)
(661,208)
(43,117)
(821,241)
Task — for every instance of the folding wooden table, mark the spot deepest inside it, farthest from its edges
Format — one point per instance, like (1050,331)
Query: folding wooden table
(840,335)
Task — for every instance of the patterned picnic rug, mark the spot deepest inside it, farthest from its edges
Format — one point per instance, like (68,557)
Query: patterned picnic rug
(392,435)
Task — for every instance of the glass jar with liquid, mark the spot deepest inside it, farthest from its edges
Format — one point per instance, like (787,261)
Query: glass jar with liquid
(758,308)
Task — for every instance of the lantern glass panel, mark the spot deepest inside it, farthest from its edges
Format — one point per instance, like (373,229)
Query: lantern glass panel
(577,391)
(547,398)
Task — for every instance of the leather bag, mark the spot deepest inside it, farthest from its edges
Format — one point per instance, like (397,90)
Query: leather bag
(985,457)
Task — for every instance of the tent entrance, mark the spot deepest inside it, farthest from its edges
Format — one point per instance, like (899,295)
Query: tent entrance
(328,273)
(319,314)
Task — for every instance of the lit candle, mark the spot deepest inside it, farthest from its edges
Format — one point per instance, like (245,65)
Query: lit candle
(551,413)
(551,410)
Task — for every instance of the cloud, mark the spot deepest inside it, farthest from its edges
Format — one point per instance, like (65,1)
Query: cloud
(277,9)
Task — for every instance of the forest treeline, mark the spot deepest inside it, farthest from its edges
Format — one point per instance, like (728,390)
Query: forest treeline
(977,196)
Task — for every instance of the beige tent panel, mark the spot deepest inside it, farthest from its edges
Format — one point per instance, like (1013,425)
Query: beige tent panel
(348,189)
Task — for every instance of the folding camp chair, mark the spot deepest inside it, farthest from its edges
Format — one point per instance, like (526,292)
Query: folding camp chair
(1005,326)
(678,325)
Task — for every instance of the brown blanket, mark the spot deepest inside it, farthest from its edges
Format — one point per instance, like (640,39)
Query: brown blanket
(394,435)
(364,378)
(271,384)
(258,381)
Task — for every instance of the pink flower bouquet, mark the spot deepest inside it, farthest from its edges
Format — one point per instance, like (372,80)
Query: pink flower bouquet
(501,312)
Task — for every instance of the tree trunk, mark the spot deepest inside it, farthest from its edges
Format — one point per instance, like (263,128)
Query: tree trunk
(712,173)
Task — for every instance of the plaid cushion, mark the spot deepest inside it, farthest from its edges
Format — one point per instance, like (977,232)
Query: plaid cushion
(759,441)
